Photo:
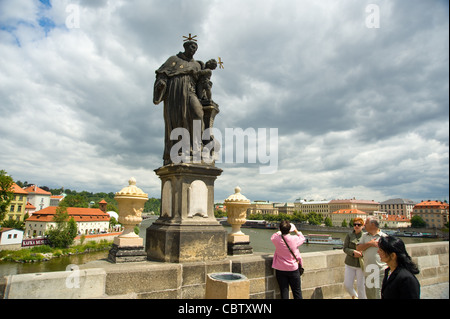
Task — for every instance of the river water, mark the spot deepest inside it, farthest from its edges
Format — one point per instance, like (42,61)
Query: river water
(259,240)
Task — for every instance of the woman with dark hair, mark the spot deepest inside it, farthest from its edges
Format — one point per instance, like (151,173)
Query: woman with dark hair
(399,281)
(287,260)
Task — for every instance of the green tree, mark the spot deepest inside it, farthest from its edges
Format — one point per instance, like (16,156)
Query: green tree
(6,193)
(344,223)
(64,233)
(12,223)
(314,218)
(299,217)
(218,213)
(153,205)
(350,224)
(417,222)
(328,222)
(75,201)
(112,222)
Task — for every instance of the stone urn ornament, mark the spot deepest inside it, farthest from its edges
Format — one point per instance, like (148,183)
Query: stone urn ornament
(238,242)
(131,201)
(128,246)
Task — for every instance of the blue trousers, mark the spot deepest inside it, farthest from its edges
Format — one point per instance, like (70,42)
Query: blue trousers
(288,279)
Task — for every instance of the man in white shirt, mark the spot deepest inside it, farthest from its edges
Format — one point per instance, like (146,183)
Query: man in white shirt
(373,266)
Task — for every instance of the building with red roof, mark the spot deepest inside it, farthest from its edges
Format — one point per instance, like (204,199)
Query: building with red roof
(434,213)
(89,221)
(367,206)
(339,216)
(16,209)
(394,221)
(38,197)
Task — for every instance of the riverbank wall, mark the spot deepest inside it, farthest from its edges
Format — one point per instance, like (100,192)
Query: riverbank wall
(77,241)
(323,277)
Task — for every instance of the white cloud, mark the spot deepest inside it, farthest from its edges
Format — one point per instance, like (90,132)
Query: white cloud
(360,112)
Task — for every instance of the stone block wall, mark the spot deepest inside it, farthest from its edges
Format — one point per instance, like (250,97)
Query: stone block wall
(323,277)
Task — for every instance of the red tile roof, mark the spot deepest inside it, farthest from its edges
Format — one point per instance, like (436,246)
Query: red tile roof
(350,211)
(30,206)
(395,218)
(432,204)
(79,214)
(33,189)
(18,190)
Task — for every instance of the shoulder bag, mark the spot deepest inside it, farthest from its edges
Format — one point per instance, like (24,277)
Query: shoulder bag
(300,266)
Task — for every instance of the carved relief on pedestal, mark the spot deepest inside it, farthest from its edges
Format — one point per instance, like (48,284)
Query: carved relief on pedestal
(198,199)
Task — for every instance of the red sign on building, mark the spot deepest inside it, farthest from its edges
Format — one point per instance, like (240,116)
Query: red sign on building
(34,242)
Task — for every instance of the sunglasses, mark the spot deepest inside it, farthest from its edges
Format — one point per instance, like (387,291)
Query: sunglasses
(359,225)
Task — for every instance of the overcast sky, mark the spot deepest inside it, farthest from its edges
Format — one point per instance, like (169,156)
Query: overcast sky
(360,100)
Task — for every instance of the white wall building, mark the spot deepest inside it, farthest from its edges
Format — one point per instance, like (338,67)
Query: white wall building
(319,207)
(38,197)
(9,236)
(89,221)
(398,207)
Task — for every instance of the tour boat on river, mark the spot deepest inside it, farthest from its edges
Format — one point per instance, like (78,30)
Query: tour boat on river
(323,239)
(262,224)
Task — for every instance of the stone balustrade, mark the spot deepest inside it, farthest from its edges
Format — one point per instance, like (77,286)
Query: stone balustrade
(323,277)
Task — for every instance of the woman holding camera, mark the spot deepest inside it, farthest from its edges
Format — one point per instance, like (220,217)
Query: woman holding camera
(287,260)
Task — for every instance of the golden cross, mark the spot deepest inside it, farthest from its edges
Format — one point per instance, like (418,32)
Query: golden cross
(190,38)
(220,64)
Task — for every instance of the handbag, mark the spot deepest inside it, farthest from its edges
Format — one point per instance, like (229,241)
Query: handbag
(301,270)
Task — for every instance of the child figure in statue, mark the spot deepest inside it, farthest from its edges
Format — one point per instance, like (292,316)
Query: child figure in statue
(204,83)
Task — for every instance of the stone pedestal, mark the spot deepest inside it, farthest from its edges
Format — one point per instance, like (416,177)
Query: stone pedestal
(239,245)
(124,254)
(187,230)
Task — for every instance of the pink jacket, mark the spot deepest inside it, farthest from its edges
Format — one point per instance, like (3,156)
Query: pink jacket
(282,258)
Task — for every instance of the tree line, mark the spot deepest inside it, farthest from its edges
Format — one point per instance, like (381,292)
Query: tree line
(87,199)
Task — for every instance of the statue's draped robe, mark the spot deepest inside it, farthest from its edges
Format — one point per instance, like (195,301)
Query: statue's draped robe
(175,85)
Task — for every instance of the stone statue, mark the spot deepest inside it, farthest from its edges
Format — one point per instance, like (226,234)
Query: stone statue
(186,230)
(185,87)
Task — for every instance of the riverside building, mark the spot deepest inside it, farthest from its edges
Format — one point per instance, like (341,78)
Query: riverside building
(398,207)
(89,221)
(434,213)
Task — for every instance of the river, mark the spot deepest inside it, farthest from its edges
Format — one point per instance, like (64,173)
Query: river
(259,240)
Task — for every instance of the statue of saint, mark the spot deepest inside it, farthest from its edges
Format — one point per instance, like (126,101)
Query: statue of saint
(176,84)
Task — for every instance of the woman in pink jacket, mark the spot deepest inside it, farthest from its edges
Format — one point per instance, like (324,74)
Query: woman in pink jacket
(285,264)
